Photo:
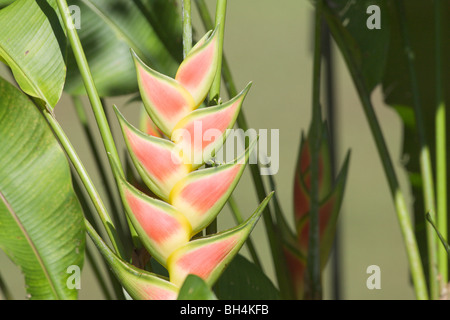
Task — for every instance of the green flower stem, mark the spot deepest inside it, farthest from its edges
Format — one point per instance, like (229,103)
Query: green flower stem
(402,211)
(86,180)
(313,258)
(238,218)
(94,98)
(82,117)
(95,266)
(221,11)
(425,157)
(274,240)
(441,145)
(187,27)
(91,90)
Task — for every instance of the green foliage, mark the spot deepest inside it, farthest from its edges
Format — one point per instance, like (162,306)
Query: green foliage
(41,221)
(243,280)
(33,44)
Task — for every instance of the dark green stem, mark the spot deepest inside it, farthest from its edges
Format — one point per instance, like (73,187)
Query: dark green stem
(313,258)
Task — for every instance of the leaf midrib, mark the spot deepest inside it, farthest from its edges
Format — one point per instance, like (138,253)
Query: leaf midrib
(30,242)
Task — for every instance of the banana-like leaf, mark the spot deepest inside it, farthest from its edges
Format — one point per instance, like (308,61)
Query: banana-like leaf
(109,28)
(33,45)
(207,257)
(41,220)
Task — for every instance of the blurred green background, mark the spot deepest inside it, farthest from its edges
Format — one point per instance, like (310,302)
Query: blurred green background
(270,43)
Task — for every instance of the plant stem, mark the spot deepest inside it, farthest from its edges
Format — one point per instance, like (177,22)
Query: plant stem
(86,180)
(82,117)
(331,115)
(441,145)
(94,98)
(425,158)
(91,90)
(187,27)
(99,275)
(274,241)
(221,11)
(402,212)
(313,258)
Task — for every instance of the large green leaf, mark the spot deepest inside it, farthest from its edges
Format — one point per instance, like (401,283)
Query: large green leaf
(32,43)
(109,28)
(367,47)
(243,280)
(41,221)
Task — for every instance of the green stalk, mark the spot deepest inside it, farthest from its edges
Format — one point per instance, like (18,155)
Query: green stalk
(274,241)
(91,90)
(87,182)
(221,11)
(425,157)
(313,258)
(95,266)
(403,215)
(82,117)
(441,145)
(187,27)
(94,98)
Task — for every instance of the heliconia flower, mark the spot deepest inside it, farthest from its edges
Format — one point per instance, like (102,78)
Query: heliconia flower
(208,256)
(182,199)
(330,198)
(169,100)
